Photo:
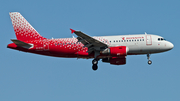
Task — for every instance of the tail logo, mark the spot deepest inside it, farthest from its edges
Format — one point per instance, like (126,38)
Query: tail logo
(23,30)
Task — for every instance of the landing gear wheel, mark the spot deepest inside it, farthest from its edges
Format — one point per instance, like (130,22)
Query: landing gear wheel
(149,62)
(95,62)
(94,67)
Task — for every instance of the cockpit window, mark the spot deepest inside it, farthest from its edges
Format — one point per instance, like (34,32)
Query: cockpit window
(161,39)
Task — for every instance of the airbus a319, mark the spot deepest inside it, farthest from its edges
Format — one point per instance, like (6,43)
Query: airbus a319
(109,49)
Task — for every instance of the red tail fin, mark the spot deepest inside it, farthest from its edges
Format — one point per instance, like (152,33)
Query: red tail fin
(23,30)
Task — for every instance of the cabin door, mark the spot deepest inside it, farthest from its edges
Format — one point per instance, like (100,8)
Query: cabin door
(148,40)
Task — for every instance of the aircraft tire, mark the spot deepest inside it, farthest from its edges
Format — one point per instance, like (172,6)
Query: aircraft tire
(95,62)
(149,62)
(94,67)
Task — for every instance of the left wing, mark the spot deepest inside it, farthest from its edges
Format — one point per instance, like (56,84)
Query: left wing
(91,43)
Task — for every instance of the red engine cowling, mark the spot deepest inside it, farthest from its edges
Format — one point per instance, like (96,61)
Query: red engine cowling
(115,60)
(116,51)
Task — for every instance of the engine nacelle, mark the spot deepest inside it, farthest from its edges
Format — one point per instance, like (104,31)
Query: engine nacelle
(116,51)
(115,60)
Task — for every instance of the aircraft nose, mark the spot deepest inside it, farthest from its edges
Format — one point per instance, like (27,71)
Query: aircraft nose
(170,45)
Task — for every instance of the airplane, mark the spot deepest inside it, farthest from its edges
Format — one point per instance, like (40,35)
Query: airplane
(110,49)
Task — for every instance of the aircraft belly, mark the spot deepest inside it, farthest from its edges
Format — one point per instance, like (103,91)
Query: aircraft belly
(138,49)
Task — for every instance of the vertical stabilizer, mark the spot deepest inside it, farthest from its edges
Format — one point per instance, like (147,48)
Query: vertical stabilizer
(23,30)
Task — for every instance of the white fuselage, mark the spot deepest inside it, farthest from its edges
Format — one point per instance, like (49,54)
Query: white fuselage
(139,44)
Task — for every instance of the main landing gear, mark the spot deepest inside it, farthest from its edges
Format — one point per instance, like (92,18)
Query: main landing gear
(95,62)
(149,61)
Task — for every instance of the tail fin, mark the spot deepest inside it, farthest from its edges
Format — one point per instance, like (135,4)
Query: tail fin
(23,30)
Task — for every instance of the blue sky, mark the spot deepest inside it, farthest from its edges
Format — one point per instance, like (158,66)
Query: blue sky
(31,77)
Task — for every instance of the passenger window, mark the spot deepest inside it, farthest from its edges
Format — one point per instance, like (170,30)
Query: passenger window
(127,40)
(137,39)
(159,39)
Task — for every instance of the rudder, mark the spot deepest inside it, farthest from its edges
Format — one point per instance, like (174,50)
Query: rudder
(23,30)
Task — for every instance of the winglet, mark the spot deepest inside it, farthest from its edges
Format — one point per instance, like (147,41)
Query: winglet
(72,30)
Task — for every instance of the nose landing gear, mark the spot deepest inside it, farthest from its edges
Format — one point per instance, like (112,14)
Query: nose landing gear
(149,61)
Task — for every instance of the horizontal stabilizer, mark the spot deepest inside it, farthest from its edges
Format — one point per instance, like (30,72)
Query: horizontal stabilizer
(21,43)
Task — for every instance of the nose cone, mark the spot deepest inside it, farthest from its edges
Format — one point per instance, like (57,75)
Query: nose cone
(170,46)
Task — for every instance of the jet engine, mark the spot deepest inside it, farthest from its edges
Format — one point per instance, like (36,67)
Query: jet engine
(116,51)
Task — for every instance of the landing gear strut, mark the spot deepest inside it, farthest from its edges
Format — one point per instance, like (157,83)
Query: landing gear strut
(149,61)
(95,62)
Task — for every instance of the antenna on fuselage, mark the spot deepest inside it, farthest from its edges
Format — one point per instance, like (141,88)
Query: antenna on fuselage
(145,33)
